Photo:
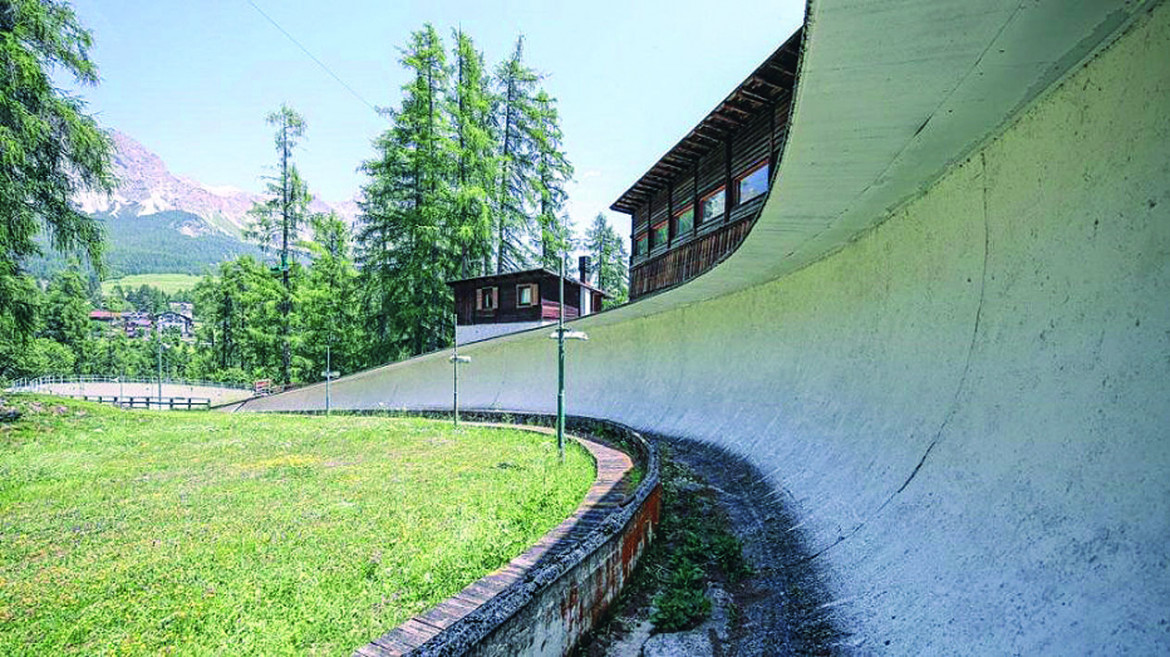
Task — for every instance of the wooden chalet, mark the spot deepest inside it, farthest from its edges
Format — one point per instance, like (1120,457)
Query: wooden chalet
(177,321)
(487,306)
(698,202)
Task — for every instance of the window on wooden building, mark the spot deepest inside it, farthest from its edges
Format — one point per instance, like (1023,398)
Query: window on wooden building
(753,183)
(487,298)
(712,205)
(659,234)
(640,245)
(525,295)
(684,221)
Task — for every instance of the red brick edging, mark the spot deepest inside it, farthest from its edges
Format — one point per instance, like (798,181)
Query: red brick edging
(577,544)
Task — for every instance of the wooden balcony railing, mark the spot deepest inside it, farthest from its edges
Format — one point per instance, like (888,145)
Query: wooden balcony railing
(687,260)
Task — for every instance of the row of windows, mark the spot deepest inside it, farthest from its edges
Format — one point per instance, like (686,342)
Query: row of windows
(488,298)
(712,207)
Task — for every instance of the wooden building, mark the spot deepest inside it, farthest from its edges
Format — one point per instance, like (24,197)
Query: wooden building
(698,202)
(488,306)
(177,321)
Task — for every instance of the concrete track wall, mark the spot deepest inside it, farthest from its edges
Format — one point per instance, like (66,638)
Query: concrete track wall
(108,389)
(968,406)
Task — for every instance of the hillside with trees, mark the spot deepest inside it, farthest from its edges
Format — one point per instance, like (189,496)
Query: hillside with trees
(172,241)
(469,179)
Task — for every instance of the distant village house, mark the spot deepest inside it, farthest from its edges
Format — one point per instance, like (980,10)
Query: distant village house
(143,324)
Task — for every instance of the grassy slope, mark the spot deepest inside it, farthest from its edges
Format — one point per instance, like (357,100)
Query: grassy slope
(169,283)
(139,532)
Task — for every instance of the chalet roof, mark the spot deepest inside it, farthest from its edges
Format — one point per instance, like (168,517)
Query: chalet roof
(527,273)
(772,80)
(171,315)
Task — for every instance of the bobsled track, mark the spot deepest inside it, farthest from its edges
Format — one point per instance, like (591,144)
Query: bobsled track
(946,340)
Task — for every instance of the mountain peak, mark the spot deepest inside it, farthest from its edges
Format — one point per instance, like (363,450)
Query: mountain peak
(146,186)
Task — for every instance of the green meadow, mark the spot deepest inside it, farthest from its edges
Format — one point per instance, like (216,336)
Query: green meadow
(169,283)
(137,532)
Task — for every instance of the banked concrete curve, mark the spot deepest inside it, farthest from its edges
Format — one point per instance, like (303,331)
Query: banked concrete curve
(947,339)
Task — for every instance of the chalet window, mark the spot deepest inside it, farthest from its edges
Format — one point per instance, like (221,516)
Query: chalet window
(712,205)
(640,245)
(487,298)
(660,235)
(684,221)
(525,295)
(753,183)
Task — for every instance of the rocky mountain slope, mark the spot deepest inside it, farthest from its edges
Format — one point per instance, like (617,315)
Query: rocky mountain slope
(147,187)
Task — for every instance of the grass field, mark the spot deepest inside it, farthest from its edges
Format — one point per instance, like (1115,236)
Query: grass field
(205,533)
(169,283)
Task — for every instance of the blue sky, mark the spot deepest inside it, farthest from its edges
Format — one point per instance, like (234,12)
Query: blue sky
(192,80)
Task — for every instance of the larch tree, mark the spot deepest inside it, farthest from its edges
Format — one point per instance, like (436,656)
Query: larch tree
(514,114)
(66,315)
(278,220)
(408,207)
(330,313)
(50,150)
(475,159)
(610,259)
(553,171)
(379,236)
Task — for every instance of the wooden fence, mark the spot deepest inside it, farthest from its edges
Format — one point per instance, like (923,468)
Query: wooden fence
(168,403)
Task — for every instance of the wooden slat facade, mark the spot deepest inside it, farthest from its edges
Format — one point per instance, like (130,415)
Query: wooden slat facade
(687,260)
(745,131)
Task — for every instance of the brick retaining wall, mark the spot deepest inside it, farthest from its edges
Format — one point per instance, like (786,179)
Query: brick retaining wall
(545,600)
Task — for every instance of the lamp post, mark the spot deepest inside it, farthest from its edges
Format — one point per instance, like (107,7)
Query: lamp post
(329,375)
(560,335)
(158,338)
(456,359)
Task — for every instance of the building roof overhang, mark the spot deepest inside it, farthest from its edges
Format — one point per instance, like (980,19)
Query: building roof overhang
(771,81)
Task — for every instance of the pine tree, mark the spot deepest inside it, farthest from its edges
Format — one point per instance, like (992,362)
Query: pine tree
(49,149)
(278,220)
(514,116)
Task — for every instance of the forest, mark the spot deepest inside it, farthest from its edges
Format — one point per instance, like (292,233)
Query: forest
(153,243)
(468,179)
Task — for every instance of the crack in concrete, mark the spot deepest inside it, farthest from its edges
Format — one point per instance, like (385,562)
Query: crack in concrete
(954,406)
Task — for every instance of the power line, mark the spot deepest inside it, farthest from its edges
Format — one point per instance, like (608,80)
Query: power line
(314,58)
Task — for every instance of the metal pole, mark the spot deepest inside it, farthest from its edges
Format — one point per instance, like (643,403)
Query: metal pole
(456,359)
(561,363)
(328,377)
(455,374)
(159,338)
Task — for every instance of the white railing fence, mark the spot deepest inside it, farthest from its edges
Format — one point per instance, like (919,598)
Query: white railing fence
(32,385)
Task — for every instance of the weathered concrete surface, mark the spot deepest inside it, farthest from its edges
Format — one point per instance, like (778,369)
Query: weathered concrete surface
(966,406)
